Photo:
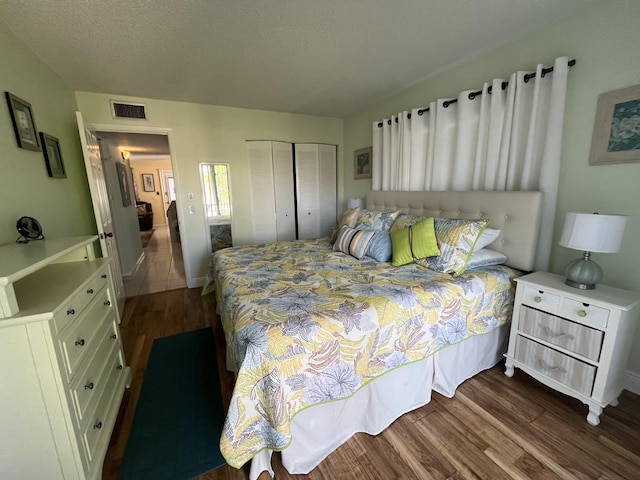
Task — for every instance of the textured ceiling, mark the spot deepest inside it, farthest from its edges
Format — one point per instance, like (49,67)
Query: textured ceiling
(318,57)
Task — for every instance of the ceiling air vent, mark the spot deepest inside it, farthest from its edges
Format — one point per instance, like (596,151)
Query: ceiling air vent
(128,110)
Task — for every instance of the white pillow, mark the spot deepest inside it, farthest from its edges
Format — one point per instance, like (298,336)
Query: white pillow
(487,237)
(485,257)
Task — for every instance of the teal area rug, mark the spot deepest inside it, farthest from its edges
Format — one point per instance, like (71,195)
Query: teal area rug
(176,429)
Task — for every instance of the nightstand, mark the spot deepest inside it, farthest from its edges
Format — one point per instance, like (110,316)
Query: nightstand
(574,341)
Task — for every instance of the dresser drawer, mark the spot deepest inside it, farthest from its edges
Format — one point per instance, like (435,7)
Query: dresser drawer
(96,427)
(89,384)
(73,308)
(560,367)
(541,299)
(79,341)
(569,335)
(591,315)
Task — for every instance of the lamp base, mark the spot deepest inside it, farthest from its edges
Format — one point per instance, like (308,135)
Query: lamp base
(583,273)
(581,286)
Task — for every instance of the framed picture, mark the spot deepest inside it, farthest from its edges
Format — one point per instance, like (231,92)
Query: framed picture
(23,123)
(121,169)
(148,183)
(616,132)
(52,156)
(362,163)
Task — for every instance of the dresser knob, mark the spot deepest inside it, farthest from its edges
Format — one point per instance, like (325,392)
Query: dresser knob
(80,342)
(89,386)
(104,275)
(537,299)
(107,303)
(113,337)
(582,313)
(90,291)
(119,367)
(71,311)
(98,425)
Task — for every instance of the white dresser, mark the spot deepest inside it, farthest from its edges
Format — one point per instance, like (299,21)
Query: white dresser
(62,367)
(575,341)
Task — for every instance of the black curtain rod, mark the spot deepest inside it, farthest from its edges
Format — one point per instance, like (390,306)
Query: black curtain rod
(473,95)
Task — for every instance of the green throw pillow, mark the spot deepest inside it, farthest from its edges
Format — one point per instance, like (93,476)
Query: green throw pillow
(414,242)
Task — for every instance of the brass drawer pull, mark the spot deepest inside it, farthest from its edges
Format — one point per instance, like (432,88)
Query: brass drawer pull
(582,313)
(537,299)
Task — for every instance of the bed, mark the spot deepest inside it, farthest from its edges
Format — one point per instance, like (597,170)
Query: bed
(325,345)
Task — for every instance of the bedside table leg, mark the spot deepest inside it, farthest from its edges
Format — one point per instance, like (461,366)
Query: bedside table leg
(594,415)
(509,370)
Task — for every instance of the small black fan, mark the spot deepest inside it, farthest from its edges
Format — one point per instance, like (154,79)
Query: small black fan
(29,229)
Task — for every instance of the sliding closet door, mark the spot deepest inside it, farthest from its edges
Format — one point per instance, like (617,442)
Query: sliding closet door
(272,191)
(315,189)
(263,205)
(285,199)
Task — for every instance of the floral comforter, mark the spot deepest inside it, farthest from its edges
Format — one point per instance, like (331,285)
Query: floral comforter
(306,325)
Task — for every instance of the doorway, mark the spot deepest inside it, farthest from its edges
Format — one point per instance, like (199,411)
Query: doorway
(161,264)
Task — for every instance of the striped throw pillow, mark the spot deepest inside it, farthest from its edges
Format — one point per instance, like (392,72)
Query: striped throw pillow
(353,242)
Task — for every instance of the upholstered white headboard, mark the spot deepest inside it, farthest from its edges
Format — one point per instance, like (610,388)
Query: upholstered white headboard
(517,214)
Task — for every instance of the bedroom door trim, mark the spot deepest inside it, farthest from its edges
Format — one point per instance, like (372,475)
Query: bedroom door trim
(106,127)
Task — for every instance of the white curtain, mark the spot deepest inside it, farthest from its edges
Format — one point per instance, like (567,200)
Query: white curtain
(509,139)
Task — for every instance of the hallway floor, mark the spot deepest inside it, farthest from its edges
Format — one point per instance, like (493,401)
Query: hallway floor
(161,269)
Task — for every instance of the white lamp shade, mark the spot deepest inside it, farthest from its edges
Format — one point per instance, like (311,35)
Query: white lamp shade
(355,203)
(591,232)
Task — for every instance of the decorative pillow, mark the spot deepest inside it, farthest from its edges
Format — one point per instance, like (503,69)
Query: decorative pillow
(380,246)
(487,237)
(349,219)
(414,242)
(353,242)
(456,239)
(377,220)
(484,258)
(404,220)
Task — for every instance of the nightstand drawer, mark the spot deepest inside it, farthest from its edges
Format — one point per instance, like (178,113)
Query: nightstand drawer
(560,367)
(541,299)
(584,313)
(571,336)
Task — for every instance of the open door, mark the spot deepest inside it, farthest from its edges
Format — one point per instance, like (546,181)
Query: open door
(101,207)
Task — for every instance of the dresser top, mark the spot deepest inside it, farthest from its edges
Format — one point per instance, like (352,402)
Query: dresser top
(605,294)
(18,260)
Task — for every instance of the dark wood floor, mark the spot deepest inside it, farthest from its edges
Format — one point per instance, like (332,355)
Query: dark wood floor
(495,427)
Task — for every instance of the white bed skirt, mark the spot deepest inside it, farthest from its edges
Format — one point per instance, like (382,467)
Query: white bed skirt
(318,431)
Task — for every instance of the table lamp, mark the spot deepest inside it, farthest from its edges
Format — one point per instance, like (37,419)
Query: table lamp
(355,203)
(590,232)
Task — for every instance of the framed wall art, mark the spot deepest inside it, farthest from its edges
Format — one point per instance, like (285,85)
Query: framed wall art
(148,182)
(362,163)
(52,156)
(616,132)
(24,124)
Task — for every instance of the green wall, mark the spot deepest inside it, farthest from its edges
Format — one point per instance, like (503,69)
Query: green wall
(62,206)
(206,133)
(604,40)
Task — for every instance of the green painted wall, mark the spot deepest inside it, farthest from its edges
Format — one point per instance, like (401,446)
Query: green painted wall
(62,206)
(205,133)
(604,40)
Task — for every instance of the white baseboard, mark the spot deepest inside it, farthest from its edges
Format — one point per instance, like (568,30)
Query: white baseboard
(631,382)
